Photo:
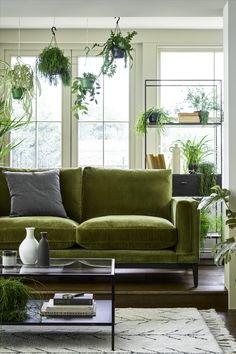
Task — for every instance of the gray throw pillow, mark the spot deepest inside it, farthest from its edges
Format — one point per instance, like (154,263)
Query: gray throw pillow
(35,193)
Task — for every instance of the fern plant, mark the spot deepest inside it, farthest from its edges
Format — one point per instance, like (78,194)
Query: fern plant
(52,63)
(13,300)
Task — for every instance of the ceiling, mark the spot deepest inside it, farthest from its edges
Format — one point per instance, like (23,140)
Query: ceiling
(100,13)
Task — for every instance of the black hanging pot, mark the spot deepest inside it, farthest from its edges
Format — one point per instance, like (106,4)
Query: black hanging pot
(117,52)
(17,93)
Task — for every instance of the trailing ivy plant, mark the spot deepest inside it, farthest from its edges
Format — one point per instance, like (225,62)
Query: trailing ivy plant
(13,300)
(52,63)
(223,250)
(86,88)
(18,83)
(116,46)
(208,177)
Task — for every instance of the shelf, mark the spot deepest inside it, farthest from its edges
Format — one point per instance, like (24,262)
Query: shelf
(151,125)
(103,316)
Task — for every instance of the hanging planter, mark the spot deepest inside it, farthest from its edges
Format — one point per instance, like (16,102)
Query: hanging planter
(116,46)
(18,83)
(17,92)
(86,88)
(53,64)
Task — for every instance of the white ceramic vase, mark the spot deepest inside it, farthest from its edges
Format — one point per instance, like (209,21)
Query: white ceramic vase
(28,249)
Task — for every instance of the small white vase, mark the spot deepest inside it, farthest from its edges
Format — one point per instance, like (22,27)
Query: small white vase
(28,249)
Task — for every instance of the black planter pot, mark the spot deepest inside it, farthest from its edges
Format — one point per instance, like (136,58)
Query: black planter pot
(17,93)
(153,118)
(117,52)
(192,168)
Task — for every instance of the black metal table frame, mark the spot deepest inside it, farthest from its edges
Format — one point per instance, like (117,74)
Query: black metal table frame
(90,321)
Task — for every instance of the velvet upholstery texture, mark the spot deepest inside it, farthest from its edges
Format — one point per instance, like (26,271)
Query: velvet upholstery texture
(126,192)
(35,193)
(70,183)
(61,232)
(124,232)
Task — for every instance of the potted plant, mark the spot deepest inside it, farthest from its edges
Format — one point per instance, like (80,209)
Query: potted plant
(223,250)
(6,126)
(18,82)
(53,64)
(194,152)
(13,300)
(208,177)
(153,115)
(202,103)
(116,46)
(85,88)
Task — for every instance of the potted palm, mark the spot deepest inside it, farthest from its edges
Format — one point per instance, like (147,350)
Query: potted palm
(18,82)
(53,64)
(223,250)
(85,88)
(154,115)
(202,103)
(194,152)
(116,46)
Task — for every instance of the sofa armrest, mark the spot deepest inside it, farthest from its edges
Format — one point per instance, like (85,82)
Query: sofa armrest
(186,218)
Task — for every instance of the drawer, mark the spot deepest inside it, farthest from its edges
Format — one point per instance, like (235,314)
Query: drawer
(189,185)
(186,185)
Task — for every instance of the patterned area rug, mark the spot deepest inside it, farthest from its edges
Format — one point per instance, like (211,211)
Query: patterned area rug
(159,330)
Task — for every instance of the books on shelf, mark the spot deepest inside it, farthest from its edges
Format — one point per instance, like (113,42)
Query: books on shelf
(73,299)
(189,117)
(156,161)
(49,309)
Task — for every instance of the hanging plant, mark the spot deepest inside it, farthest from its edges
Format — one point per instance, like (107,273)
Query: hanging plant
(18,83)
(116,46)
(85,88)
(53,64)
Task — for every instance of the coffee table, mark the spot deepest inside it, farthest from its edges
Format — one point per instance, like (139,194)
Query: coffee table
(77,268)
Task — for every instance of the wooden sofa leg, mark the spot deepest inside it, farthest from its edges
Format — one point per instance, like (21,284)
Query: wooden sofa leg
(195,274)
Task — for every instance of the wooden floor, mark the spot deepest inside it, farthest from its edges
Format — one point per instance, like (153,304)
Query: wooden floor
(158,288)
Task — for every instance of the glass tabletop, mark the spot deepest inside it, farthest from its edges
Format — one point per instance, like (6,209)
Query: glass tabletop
(64,266)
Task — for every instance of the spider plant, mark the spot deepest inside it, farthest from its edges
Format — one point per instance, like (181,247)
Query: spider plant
(194,152)
(223,250)
(153,115)
(18,83)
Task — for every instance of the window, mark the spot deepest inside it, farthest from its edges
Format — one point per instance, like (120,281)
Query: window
(40,140)
(185,66)
(103,134)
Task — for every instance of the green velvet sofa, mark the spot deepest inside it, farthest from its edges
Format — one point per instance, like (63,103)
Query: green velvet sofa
(126,214)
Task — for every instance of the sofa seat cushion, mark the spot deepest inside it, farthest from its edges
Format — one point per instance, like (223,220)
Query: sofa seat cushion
(61,232)
(127,232)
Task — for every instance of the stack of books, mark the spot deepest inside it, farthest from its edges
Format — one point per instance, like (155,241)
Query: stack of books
(70,304)
(189,117)
(156,161)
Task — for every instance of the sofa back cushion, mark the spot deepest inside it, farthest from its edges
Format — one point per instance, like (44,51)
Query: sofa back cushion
(126,192)
(70,184)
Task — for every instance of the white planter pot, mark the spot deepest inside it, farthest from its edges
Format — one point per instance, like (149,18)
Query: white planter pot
(28,249)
